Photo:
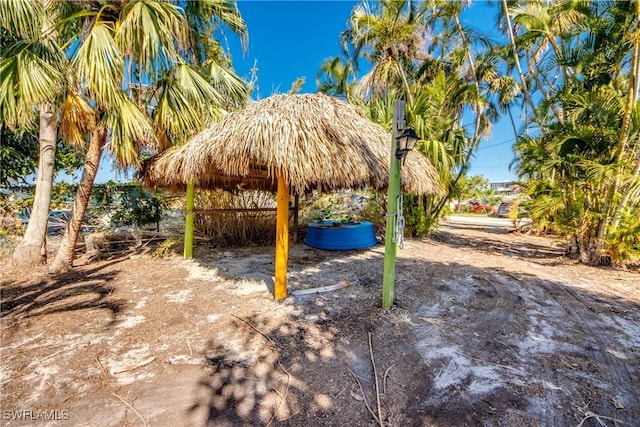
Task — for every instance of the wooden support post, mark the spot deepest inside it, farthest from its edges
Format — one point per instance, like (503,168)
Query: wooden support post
(188,227)
(390,243)
(282,238)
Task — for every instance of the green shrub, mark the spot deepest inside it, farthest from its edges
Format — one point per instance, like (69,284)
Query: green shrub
(139,207)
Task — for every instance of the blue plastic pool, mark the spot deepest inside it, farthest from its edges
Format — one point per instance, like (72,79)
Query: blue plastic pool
(340,236)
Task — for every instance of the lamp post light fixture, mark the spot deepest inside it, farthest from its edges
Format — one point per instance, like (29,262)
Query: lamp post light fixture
(406,142)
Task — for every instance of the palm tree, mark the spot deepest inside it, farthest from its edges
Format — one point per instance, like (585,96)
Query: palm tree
(590,144)
(462,46)
(336,77)
(143,47)
(30,78)
(441,76)
(390,35)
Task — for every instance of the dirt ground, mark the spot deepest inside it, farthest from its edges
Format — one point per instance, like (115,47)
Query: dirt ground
(489,329)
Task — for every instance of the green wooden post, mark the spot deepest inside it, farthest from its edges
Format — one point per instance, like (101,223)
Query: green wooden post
(188,227)
(391,246)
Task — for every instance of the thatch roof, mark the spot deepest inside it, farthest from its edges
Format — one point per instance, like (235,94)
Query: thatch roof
(318,142)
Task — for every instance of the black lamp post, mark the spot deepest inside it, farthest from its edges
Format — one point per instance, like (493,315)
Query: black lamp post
(406,142)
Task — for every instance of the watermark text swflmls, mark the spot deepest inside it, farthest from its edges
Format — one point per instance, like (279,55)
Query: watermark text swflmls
(35,415)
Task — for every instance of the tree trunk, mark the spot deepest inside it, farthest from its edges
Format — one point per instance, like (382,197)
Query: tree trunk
(64,257)
(634,80)
(514,47)
(32,249)
(477,130)
(609,209)
(574,248)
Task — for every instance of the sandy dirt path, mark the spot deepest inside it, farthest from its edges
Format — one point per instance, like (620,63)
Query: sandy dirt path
(489,328)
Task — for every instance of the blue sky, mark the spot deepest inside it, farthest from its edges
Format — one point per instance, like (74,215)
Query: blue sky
(290,39)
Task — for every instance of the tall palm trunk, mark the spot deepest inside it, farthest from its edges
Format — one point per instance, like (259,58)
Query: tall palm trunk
(525,87)
(610,211)
(64,257)
(632,98)
(32,249)
(477,129)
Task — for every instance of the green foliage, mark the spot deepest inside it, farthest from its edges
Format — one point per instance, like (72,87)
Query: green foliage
(624,242)
(18,156)
(346,206)
(144,74)
(418,221)
(335,78)
(69,159)
(10,210)
(62,194)
(139,207)
(19,152)
(105,195)
(328,208)
(475,187)
(581,167)
(442,78)
(165,248)
(374,209)
(132,205)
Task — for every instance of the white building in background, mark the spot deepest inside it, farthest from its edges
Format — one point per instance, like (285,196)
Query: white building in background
(504,187)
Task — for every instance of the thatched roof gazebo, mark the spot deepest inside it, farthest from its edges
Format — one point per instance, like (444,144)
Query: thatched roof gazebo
(297,143)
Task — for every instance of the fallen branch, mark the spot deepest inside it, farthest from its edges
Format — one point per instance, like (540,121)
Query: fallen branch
(375,377)
(275,349)
(73,395)
(589,415)
(341,285)
(487,362)
(364,396)
(56,353)
(132,367)
(384,379)
(341,391)
(114,394)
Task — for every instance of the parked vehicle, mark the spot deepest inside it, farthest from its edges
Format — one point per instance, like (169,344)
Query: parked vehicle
(479,206)
(504,209)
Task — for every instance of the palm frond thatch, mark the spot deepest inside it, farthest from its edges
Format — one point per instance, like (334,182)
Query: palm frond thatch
(316,141)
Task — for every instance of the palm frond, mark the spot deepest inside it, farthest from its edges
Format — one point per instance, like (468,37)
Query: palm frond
(22,18)
(185,102)
(151,33)
(99,64)
(226,82)
(77,119)
(26,80)
(130,131)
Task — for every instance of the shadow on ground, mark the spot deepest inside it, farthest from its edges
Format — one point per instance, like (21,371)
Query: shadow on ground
(486,243)
(474,338)
(461,346)
(75,290)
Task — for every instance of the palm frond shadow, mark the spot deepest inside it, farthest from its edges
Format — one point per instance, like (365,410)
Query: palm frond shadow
(59,293)
(489,245)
